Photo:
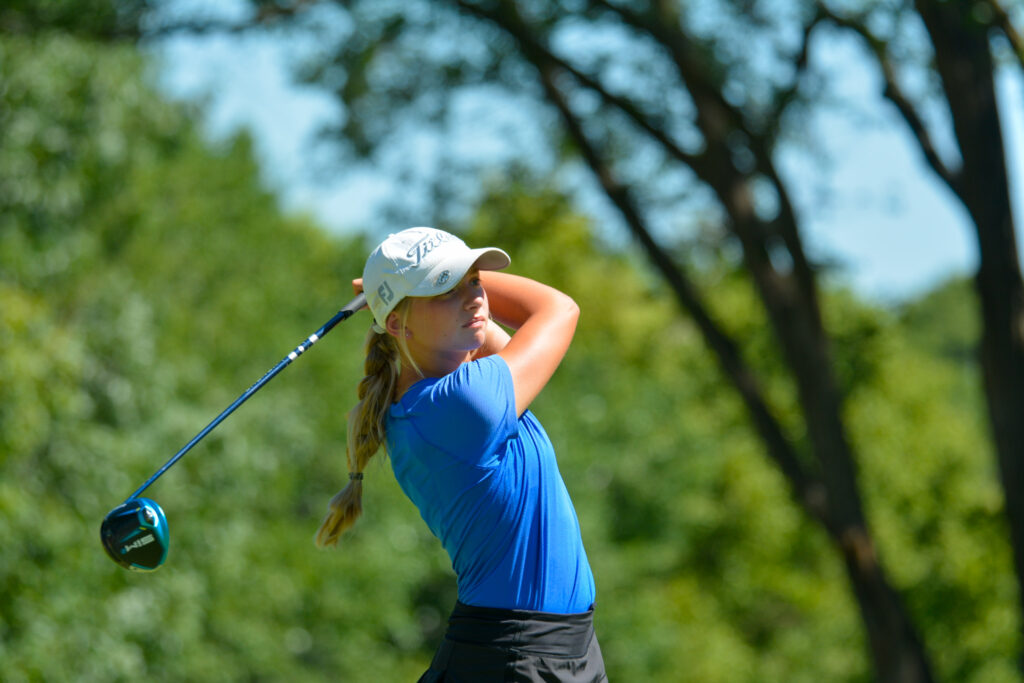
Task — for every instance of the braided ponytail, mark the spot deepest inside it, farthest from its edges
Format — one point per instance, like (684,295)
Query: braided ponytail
(366,432)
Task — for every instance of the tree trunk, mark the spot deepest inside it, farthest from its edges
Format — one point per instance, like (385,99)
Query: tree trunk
(964,62)
(897,653)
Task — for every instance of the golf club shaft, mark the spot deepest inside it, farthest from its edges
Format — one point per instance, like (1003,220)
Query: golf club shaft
(349,308)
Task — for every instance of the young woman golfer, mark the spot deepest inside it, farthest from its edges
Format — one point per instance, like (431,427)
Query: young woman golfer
(446,392)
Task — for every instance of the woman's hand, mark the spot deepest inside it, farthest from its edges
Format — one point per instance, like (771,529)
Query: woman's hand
(357,288)
(496,340)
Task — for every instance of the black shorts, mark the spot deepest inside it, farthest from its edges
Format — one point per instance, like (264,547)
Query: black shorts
(485,645)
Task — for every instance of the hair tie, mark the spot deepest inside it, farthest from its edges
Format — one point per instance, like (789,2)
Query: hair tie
(355,475)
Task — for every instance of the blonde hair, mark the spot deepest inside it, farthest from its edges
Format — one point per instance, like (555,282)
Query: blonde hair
(366,424)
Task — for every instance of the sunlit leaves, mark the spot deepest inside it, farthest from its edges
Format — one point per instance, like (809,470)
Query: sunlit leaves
(159,279)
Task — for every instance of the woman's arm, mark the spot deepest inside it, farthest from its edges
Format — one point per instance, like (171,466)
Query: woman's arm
(545,321)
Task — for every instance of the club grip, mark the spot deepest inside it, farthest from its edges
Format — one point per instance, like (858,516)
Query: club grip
(356,304)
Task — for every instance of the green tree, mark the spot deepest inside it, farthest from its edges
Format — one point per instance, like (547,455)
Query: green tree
(91,19)
(667,97)
(945,322)
(701,556)
(146,278)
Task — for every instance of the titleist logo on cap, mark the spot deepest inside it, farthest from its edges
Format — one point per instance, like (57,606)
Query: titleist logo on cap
(427,244)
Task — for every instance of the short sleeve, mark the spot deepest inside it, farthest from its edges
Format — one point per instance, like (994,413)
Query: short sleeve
(469,413)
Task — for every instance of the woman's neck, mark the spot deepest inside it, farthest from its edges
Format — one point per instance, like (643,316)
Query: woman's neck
(435,367)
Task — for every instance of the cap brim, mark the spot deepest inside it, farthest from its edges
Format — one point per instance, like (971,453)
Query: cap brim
(486,258)
(490,258)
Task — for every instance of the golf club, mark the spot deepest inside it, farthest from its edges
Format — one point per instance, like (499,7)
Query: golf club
(135,533)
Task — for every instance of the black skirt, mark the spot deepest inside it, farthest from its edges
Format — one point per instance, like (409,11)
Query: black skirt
(489,645)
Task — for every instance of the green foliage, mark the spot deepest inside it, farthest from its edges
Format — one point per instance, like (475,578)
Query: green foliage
(701,557)
(946,322)
(146,279)
(104,19)
(705,570)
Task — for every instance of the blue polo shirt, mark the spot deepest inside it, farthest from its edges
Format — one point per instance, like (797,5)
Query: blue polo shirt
(488,486)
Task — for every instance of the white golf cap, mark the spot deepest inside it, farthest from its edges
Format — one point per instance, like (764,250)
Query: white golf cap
(420,262)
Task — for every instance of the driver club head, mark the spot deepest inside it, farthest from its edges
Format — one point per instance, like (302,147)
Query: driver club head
(135,535)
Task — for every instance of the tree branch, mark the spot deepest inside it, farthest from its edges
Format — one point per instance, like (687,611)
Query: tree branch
(265,15)
(904,106)
(718,120)
(787,96)
(825,488)
(894,94)
(715,115)
(807,489)
(513,24)
(1002,20)
(790,298)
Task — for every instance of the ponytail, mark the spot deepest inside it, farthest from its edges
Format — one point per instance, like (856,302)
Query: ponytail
(366,432)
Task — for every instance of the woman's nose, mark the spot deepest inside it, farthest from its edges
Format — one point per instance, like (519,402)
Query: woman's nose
(474,295)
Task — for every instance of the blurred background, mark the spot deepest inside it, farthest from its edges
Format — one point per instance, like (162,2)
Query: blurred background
(791,417)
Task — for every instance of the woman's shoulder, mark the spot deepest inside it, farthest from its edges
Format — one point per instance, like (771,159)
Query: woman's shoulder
(472,385)
(465,409)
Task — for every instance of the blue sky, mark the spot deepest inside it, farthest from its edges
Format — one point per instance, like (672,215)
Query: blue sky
(874,207)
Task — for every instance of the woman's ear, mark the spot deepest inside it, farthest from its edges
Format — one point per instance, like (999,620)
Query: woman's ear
(393,325)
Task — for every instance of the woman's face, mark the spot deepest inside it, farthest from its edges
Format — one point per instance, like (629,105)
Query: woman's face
(450,324)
